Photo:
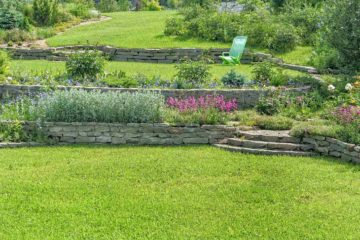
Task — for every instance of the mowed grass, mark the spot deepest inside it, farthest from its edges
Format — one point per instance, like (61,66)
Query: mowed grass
(130,30)
(301,55)
(166,71)
(197,192)
(146,30)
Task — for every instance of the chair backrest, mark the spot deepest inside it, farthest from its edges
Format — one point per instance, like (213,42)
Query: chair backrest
(238,46)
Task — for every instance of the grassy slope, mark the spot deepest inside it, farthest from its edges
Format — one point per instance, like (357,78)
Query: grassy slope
(145,30)
(131,68)
(129,30)
(174,193)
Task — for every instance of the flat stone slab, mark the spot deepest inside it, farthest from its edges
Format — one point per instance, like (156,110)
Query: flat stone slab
(264,151)
(269,136)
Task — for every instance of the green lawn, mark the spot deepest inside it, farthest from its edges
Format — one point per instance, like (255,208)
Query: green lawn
(129,30)
(146,30)
(300,56)
(166,71)
(84,192)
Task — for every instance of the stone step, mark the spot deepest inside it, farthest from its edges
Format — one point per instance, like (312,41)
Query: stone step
(269,145)
(264,151)
(269,136)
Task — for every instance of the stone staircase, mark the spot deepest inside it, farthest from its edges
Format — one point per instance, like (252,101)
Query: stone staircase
(267,143)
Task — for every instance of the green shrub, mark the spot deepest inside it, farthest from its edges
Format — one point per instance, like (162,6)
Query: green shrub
(45,12)
(218,27)
(81,9)
(10,18)
(350,133)
(4,64)
(192,74)
(341,32)
(113,80)
(325,58)
(203,3)
(263,72)
(174,27)
(108,6)
(17,35)
(271,103)
(95,106)
(284,38)
(123,5)
(85,66)
(13,132)
(16,109)
(232,78)
(151,5)
(278,78)
(306,20)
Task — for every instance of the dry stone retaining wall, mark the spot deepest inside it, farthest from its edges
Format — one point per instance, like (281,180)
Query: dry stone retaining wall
(166,55)
(246,98)
(335,148)
(133,133)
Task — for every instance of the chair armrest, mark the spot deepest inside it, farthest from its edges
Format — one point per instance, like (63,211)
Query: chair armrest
(225,54)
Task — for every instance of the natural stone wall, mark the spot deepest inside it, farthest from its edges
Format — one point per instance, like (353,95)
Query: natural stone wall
(246,98)
(132,133)
(332,147)
(166,55)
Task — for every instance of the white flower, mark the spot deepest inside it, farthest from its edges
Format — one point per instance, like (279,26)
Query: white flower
(331,88)
(9,78)
(348,87)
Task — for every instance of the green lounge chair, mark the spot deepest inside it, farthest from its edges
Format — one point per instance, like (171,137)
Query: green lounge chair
(237,49)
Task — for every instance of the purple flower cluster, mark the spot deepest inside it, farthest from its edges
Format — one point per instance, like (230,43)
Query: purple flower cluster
(347,114)
(209,101)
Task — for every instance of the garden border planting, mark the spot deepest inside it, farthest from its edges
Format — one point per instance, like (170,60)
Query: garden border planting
(246,98)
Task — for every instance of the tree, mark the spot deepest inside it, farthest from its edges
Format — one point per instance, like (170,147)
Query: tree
(341,31)
(45,11)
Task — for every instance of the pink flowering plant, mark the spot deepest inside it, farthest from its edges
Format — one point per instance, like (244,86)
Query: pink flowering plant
(347,114)
(201,103)
(202,110)
(349,118)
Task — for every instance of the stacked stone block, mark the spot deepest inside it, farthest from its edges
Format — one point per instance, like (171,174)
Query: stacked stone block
(332,147)
(135,133)
(166,55)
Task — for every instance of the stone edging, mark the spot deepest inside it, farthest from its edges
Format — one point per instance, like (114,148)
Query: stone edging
(165,134)
(246,98)
(131,133)
(335,148)
(164,55)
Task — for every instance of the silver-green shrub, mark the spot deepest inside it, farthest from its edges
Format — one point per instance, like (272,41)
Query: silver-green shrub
(96,106)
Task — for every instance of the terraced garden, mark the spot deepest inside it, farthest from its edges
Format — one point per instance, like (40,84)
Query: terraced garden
(179,119)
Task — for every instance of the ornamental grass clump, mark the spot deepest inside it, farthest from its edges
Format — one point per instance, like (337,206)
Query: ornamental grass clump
(96,106)
(202,110)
